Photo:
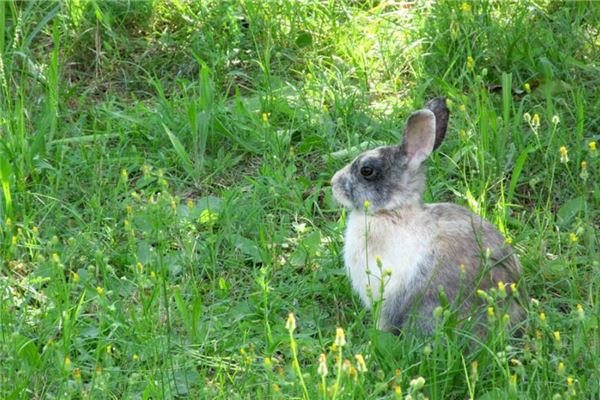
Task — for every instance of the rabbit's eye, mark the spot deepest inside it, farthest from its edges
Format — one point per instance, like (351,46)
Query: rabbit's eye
(366,171)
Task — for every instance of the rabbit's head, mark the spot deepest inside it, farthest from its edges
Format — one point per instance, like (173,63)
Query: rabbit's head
(391,177)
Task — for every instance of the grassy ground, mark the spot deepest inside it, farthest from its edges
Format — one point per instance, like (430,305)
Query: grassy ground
(164,197)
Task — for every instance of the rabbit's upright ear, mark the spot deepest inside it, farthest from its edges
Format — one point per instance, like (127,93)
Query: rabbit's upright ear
(419,137)
(442,114)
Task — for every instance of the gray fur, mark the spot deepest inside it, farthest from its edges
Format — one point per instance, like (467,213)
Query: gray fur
(458,237)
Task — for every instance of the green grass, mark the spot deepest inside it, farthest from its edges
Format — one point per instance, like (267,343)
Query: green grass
(164,200)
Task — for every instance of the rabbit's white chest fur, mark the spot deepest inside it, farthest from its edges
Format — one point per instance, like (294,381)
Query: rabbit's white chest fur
(400,241)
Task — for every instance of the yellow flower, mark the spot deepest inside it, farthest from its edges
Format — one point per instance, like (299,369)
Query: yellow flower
(491,313)
(470,62)
(290,325)
(75,277)
(592,146)
(580,312)
(322,369)
(340,338)
(542,317)
(67,362)
(556,335)
(139,266)
(584,172)
(564,154)
(208,217)
(366,205)
(508,240)
(465,7)
(77,373)
(527,88)
(360,363)
(135,357)
(190,203)
(124,175)
(109,349)
(462,107)
(99,290)
(501,289)
(560,369)
(265,118)
(535,120)
(573,237)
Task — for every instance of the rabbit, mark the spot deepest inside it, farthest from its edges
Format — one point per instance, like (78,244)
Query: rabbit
(417,249)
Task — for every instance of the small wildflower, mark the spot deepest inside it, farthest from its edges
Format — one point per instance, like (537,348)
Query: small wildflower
(580,312)
(190,203)
(462,108)
(556,335)
(55,258)
(129,210)
(513,289)
(564,154)
(139,267)
(135,357)
(77,374)
(98,370)
(543,317)
(508,240)
(417,384)
(152,275)
(506,318)
(501,289)
(556,120)
(124,175)
(361,366)
(265,118)
(491,314)
(322,370)
(474,373)
(470,62)
(560,369)
(99,290)
(573,237)
(584,172)
(512,383)
(290,325)
(527,87)
(427,350)
(75,277)
(398,391)
(208,217)
(570,381)
(535,120)
(146,169)
(340,338)
(527,117)
(109,349)
(591,147)
(462,268)
(437,312)
(35,230)
(366,205)
(378,261)
(465,7)
(67,362)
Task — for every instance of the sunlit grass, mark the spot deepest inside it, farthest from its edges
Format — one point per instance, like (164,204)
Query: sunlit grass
(165,208)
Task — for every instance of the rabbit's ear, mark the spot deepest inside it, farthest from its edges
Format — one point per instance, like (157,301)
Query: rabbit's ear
(442,114)
(419,137)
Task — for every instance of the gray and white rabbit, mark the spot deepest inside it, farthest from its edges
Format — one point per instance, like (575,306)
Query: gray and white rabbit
(426,247)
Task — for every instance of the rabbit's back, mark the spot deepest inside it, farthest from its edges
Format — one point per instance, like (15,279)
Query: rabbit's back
(423,249)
